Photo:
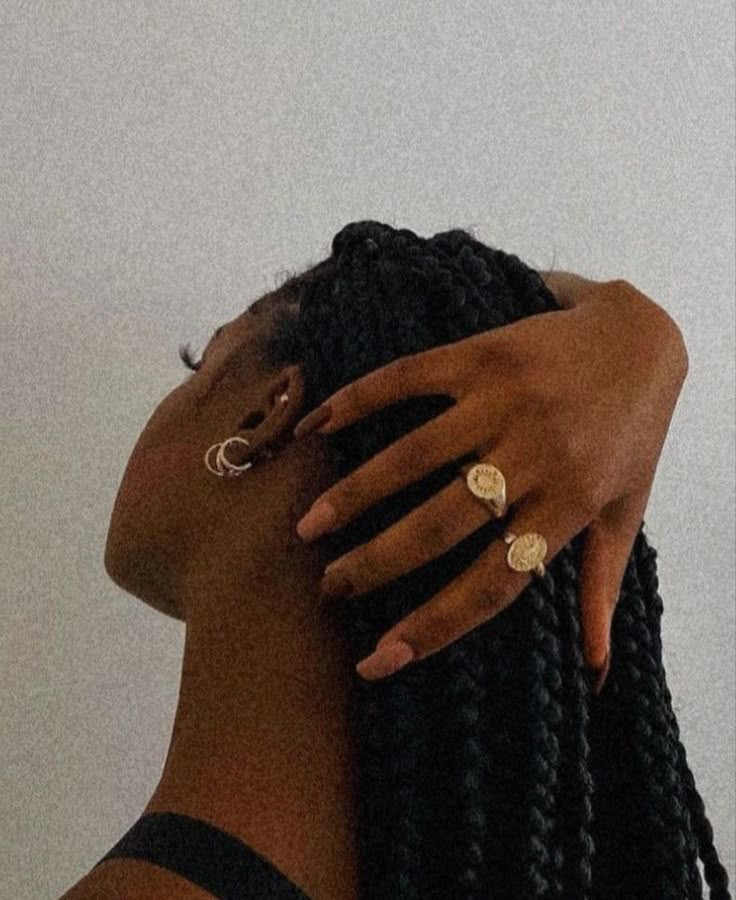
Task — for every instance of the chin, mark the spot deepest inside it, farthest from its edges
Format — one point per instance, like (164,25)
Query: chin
(136,562)
(139,574)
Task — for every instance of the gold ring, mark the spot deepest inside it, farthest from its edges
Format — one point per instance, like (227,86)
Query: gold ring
(487,483)
(526,552)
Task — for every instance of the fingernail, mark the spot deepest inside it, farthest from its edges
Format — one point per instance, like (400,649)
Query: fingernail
(317,520)
(386,660)
(336,584)
(601,675)
(312,421)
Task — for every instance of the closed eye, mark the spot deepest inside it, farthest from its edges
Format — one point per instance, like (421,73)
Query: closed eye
(185,354)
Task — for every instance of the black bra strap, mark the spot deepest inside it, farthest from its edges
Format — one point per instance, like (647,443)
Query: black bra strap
(209,857)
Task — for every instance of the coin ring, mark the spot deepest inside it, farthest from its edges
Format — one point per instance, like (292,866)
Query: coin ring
(488,484)
(526,552)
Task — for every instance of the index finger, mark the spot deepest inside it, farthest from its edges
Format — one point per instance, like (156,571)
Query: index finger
(433,371)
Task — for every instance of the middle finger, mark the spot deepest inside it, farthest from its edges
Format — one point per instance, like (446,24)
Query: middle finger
(424,533)
(443,438)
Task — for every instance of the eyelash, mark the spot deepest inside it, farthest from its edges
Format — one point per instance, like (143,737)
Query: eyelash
(185,354)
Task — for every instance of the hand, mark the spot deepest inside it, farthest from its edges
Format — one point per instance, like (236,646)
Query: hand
(573,406)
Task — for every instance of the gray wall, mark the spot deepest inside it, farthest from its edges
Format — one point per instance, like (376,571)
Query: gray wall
(161,162)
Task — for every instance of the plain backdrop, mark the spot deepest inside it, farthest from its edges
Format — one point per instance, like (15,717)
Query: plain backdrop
(161,163)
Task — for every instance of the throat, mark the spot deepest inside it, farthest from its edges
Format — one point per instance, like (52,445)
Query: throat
(274,766)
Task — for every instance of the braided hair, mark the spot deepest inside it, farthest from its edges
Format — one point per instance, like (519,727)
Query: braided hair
(489,769)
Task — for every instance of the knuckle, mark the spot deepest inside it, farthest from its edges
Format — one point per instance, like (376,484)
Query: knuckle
(401,366)
(585,496)
(593,499)
(397,375)
(576,469)
(487,600)
(590,491)
(442,370)
(483,586)
(436,532)
(518,358)
(346,498)
(411,452)
(535,411)
(349,399)
(442,625)
(361,568)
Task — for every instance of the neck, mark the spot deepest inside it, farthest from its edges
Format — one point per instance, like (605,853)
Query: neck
(261,744)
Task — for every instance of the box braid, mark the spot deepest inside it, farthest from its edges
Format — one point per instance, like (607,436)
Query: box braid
(489,769)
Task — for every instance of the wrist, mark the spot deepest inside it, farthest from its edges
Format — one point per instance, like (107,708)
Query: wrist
(573,291)
(671,343)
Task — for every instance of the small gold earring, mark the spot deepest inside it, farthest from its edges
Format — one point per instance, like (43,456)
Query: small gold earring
(284,398)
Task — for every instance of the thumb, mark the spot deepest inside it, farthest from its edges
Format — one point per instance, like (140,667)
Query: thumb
(608,542)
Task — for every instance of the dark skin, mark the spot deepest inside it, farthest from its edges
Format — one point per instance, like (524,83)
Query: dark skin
(261,744)
(578,449)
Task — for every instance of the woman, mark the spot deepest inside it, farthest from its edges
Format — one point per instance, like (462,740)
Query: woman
(485,766)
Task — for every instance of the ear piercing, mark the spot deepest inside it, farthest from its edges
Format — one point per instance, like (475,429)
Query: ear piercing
(224,466)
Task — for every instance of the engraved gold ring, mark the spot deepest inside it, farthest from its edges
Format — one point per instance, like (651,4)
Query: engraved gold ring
(526,551)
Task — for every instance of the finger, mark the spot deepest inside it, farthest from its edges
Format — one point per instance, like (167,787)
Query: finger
(443,438)
(479,593)
(434,371)
(425,532)
(608,543)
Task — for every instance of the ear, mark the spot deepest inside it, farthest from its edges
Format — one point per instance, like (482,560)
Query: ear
(281,408)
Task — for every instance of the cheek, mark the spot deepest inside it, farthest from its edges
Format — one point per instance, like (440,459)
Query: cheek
(164,453)
(159,495)
(160,479)
(153,497)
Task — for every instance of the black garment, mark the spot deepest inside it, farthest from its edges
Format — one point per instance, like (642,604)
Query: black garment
(209,857)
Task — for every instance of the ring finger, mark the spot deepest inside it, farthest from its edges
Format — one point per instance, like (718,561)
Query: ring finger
(482,590)
(426,532)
